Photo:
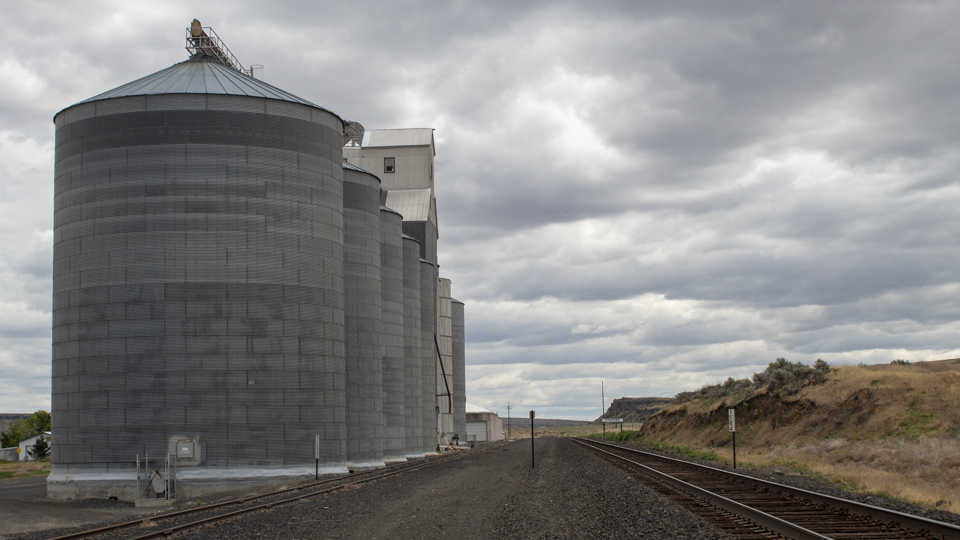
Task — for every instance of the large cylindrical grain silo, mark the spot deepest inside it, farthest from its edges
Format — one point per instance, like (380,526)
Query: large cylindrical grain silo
(428,358)
(412,351)
(363,319)
(198,287)
(391,293)
(459,372)
(445,341)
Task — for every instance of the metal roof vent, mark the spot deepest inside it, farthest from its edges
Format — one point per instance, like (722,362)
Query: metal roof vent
(203,40)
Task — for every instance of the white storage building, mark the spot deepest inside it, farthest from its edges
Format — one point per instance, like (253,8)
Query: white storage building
(483,425)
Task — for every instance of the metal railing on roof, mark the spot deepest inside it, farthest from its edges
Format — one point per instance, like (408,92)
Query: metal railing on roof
(202,39)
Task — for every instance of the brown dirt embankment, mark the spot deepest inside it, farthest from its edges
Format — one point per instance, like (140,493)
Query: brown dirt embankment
(886,429)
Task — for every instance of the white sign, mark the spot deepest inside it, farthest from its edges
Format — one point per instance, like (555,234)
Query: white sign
(316,449)
(731,425)
(612,420)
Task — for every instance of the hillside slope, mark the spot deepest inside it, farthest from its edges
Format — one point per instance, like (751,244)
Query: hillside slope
(889,429)
(856,402)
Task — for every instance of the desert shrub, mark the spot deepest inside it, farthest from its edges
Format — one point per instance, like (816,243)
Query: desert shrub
(781,378)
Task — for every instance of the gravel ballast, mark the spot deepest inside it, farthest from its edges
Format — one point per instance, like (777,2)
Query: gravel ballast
(491,494)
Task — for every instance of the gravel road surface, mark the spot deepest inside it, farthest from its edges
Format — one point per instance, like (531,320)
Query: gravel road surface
(19,488)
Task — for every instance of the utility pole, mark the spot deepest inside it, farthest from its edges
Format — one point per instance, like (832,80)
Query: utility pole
(508,421)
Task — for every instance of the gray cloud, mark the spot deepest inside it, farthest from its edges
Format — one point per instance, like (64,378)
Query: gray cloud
(658,195)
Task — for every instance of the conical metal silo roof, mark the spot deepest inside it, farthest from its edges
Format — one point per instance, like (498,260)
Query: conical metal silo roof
(200,75)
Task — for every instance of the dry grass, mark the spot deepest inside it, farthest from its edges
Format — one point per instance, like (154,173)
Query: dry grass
(890,430)
(924,471)
(23,469)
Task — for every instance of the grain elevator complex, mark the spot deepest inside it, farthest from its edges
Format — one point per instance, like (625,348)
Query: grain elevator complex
(246,289)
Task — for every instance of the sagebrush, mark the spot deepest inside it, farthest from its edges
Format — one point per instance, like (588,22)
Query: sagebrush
(781,378)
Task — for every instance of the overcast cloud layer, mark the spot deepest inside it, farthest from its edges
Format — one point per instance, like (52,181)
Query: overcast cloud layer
(657,196)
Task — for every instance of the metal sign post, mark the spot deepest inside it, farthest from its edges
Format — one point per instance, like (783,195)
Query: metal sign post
(732,426)
(533,463)
(316,455)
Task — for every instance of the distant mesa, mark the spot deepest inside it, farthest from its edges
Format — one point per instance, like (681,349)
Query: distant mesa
(634,409)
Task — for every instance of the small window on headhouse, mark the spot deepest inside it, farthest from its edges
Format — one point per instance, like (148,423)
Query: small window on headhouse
(389,164)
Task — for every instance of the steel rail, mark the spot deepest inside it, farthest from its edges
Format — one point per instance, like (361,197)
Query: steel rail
(763,519)
(945,531)
(346,479)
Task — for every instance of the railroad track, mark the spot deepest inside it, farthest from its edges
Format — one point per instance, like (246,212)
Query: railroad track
(182,520)
(751,508)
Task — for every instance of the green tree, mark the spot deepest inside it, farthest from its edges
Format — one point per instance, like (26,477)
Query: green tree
(40,449)
(38,422)
(16,432)
(25,428)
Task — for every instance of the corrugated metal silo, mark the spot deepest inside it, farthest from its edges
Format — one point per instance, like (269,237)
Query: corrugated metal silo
(363,318)
(445,341)
(198,293)
(428,358)
(391,287)
(412,350)
(459,372)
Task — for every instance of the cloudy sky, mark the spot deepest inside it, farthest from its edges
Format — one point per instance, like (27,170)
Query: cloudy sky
(655,195)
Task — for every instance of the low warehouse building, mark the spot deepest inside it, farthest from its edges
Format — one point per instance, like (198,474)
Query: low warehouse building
(483,425)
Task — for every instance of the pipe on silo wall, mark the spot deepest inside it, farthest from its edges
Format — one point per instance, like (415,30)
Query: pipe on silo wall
(391,289)
(412,350)
(198,292)
(428,358)
(445,373)
(363,320)
(459,372)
